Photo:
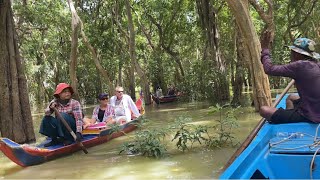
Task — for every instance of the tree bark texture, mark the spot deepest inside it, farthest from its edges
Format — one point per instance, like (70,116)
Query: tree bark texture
(132,50)
(208,19)
(260,81)
(15,114)
(75,25)
(239,69)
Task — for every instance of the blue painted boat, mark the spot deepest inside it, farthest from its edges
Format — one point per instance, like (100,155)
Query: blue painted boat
(282,151)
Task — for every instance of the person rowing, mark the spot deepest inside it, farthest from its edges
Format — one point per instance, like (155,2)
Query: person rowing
(70,110)
(305,70)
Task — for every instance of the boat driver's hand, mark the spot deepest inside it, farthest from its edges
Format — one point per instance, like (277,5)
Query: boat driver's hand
(53,105)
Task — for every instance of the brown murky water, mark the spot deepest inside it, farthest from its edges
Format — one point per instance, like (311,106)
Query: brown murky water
(103,161)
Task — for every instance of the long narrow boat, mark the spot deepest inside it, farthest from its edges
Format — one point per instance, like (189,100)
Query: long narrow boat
(28,155)
(164,99)
(282,151)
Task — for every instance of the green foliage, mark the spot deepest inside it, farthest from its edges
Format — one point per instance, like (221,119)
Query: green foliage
(152,142)
(147,143)
(224,128)
(166,32)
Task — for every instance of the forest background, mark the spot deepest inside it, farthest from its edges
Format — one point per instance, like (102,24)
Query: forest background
(208,49)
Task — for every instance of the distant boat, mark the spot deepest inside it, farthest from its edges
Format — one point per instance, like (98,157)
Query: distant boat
(28,155)
(279,151)
(164,99)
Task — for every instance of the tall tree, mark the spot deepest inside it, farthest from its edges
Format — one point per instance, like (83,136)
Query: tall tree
(75,24)
(208,17)
(15,114)
(260,81)
(132,49)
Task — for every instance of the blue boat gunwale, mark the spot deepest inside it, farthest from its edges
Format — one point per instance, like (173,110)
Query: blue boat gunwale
(260,157)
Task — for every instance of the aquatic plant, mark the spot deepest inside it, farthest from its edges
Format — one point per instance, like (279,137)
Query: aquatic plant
(147,143)
(226,123)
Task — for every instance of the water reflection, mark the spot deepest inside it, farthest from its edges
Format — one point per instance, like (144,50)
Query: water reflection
(103,161)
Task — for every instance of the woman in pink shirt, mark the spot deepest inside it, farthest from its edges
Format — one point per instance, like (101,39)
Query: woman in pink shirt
(101,113)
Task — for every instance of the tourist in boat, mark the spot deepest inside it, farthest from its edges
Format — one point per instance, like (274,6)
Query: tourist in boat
(159,92)
(140,102)
(101,113)
(124,107)
(305,70)
(70,110)
(171,91)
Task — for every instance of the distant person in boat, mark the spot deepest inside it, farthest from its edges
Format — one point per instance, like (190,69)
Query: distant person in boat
(305,70)
(101,113)
(159,92)
(70,110)
(171,91)
(124,107)
(140,102)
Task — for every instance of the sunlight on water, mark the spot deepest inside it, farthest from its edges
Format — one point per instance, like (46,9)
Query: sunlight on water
(104,162)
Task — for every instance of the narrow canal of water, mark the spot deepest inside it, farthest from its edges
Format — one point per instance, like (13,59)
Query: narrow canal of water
(104,161)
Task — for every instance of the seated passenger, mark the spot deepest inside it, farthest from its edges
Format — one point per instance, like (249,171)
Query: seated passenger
(123,106)
(159,92)
(140,103)
(171,91)
(101,113)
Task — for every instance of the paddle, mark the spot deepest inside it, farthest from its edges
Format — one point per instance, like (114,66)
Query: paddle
(254,132)
(69,129)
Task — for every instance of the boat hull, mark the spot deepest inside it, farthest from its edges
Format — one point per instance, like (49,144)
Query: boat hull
(164,99)
(281,151)
(28,155)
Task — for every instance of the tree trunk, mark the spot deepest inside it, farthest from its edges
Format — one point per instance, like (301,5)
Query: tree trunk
(260,81)
(15,114)
(132,49)
(208,19)
(75,25)
(239,76)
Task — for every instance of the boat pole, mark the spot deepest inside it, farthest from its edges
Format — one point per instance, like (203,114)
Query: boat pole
(84,149)
(255,131)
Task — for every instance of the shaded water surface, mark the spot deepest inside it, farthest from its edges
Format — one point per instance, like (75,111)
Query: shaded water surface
(103,161)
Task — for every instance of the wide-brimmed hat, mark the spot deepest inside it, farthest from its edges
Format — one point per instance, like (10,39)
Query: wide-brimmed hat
(306,47)
(61,87)
(103,95)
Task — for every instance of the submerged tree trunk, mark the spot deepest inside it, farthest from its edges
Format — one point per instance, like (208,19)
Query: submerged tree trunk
(260,81)
(15,114)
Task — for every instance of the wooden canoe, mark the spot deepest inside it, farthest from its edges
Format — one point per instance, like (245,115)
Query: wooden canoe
(164,99)
(28,155)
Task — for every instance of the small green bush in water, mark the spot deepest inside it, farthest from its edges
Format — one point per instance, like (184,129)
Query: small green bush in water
(147,143)
(226,123)
(152,142)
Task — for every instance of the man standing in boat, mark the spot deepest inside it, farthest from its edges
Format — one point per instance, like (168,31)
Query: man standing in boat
(70,110)
(123,106)
(305,70)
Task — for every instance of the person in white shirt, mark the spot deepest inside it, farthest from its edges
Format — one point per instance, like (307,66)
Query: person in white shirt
(124,107)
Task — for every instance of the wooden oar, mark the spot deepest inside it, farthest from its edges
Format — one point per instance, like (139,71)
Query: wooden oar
(70,130)
(254,132)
